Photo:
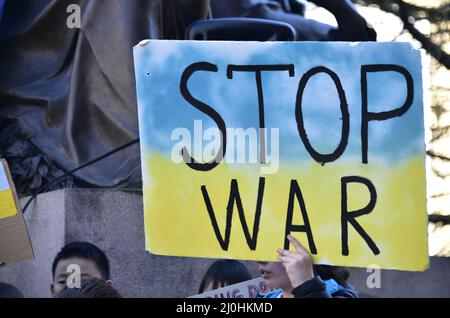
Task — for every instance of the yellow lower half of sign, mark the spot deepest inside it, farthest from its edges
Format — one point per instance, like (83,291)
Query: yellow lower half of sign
(177,221)
(7,205)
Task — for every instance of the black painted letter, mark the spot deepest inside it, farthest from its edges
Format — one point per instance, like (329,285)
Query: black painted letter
(191,162)
(296,192)
(258,69)
(350,217)
(397,112)
(323,158)
(235,197)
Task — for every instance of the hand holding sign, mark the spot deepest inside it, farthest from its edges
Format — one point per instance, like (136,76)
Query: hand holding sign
(298,264)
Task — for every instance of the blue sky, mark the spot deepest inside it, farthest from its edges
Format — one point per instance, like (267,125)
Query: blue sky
(159,65)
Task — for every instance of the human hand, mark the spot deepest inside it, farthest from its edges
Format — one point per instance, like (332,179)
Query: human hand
(298,264)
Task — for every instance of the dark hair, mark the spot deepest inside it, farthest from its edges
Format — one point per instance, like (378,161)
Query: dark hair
(9,291)
(92,288)
(87,251)
(339,274)
(224,272)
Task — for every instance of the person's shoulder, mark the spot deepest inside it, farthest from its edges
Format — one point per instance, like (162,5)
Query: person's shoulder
(339,290)
(347,291)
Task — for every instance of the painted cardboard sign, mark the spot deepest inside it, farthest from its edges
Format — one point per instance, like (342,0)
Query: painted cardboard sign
(15,244)
(243,143)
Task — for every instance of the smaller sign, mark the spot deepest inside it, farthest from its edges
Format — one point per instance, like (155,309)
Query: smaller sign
(15,244)
(7,206)
(247,289)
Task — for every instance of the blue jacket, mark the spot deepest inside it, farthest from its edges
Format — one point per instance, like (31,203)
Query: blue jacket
(317,288)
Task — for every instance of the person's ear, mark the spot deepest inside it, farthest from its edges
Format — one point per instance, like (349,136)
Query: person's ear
(52,290)
(109,282)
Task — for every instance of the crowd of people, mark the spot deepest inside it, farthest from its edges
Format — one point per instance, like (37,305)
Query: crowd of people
(294,276)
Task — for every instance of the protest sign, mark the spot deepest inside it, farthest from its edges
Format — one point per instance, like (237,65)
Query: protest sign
(247,289)
(15,243)
(7,205)
(243,143)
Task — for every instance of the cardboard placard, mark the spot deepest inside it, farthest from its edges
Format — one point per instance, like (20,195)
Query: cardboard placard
(247,289)
(15,244)
(243,143)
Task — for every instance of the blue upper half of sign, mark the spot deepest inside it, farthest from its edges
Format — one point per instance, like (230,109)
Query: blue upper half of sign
(159,65)
(3,180)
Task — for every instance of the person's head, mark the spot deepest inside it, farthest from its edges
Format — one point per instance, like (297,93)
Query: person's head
(92,288)
(222,273)
(9,291)
(92,263)
(275,275)
(339,274)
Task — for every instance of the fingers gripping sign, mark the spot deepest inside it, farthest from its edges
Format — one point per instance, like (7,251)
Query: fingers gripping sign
(298,264)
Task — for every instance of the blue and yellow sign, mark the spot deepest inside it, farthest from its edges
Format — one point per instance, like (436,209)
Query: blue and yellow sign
(243,143)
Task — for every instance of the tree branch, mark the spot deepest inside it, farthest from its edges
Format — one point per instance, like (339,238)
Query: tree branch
(437,218)
(435,155)
(434,50)
(406,10)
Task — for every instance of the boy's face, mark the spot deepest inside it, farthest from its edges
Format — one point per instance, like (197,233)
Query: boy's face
(88,270)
